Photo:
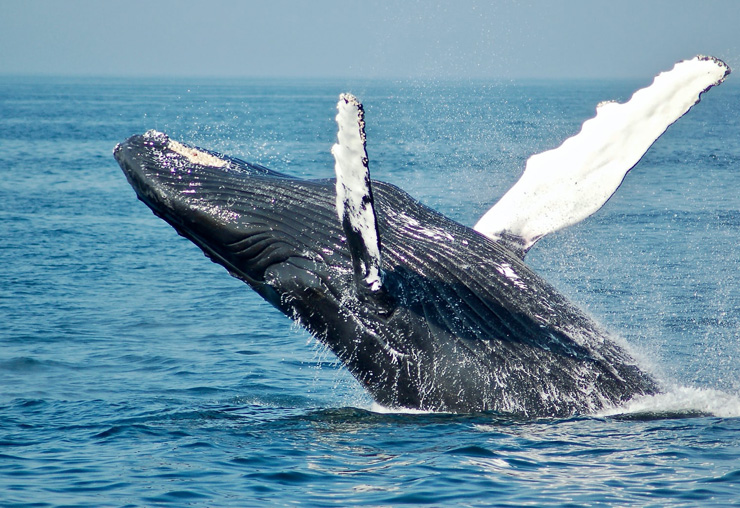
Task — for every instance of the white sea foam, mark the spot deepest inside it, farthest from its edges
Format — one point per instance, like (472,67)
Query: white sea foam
(378,408)
(680,400)
(677,400)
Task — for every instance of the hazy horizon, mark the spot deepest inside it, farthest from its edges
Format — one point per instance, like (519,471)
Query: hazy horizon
(355,40)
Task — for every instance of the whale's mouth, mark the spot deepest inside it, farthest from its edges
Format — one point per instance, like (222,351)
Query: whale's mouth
(242,215)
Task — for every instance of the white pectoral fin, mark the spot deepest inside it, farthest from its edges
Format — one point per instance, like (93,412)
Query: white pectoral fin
(355,205)
(563,186)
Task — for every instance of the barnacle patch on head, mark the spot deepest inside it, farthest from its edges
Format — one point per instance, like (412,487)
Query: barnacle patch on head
(196,156)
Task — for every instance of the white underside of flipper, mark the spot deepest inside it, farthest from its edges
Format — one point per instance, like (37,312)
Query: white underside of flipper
(355,206)
(565,185)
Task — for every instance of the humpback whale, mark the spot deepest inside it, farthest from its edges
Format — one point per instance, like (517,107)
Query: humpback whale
(426,313)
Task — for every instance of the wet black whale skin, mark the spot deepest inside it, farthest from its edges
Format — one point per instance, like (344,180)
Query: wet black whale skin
(461,325)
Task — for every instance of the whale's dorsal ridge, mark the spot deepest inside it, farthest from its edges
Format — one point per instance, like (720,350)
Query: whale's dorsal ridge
(563,186)
(355,203)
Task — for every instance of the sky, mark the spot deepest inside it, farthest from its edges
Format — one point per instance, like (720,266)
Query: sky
(400,39)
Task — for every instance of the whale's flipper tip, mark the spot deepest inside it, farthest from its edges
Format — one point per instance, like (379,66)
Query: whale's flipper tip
(355,204)
(721,65)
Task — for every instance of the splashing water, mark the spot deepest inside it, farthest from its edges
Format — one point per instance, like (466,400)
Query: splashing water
(681,400)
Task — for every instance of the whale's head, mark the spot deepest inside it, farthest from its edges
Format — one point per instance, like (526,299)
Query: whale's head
(283,237)
(276,233)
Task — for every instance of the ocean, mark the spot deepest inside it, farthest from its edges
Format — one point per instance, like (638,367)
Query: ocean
(135,372)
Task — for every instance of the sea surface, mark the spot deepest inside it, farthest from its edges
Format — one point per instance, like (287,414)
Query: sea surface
(135,372)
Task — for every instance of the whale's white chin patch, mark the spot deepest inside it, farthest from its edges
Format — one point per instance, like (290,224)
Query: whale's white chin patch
(196,156)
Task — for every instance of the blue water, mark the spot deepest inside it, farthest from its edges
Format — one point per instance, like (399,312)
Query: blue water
(134,372)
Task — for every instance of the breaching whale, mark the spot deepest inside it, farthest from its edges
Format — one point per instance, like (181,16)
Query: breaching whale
(425,312)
